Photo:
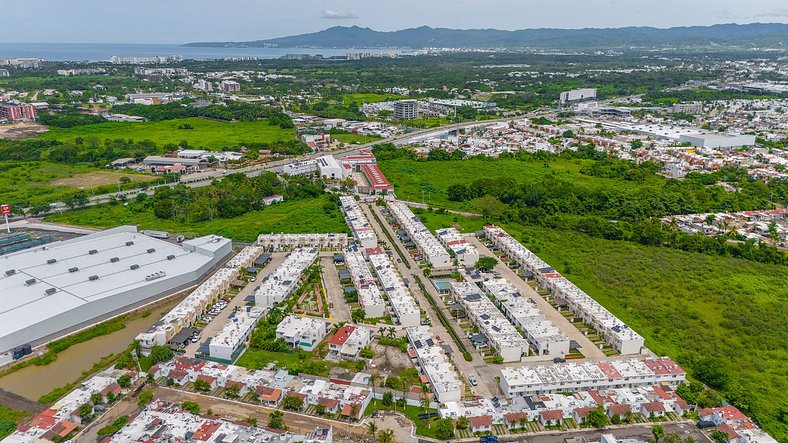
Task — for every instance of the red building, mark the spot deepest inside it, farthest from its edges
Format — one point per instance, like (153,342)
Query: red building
(23,111)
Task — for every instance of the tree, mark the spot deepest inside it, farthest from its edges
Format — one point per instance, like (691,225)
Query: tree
(320,409)
(293,403)
(202,386)
(96,398)
(78,200)
(366,352)
(190,406)
(658,432)
(124,180)
(673,437)
(444,429)
(232,391)
(462,423)
(485,264)
(164,209)
(719,436)
(388,399)
(357,315)
(275,420)
(145,397)
(457,192)
(616,419)
(597,418)
(372,428)
(386,436)
(85,412)
(251,421)
(124,381)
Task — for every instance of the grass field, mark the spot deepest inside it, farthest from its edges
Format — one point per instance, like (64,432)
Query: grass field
(296,216)
(429,180)
(9,419)
(361,98)
(354,138)
(696,308)
(207,134)
(31,183)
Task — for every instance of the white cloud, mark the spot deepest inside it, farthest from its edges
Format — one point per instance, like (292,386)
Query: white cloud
(333,14)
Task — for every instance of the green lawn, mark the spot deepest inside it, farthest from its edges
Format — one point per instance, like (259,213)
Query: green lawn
(354,138)
(296,216)
(701,310)
(361,98)
(31,183)
(207,134)
(423,427)
(427,181)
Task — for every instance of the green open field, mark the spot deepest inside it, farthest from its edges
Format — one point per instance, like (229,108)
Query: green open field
(361,98)
(31,183)
(296,216)
(708,312)
(415,180)
(354,138)
(207,134)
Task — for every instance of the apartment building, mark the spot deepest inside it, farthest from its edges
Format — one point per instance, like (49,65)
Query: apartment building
(359,225)
(501,334)
(466,253)
(543,336)
(17,112)
(230,86)
(427,245)
(402,302)
(615,332)
(284,280)
(526,381)
(228,343)
(369,294)
(406,110)
(302,332)
(287,242)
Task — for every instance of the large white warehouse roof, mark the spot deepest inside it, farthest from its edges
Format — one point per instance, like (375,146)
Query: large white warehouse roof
(61,286)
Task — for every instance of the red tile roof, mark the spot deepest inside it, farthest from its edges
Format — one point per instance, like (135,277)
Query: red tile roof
(618,409)
(480,421)
(515,417)
(204,432)
(656,406)
(554,414)
(342,335)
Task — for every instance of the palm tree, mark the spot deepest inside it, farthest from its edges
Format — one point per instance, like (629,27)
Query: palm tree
(372,379)
(392,332)
(372,429)
(386,436)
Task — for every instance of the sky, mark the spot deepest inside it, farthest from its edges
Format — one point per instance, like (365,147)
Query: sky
(183,21)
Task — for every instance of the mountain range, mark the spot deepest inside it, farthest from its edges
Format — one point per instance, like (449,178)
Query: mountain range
(764,35)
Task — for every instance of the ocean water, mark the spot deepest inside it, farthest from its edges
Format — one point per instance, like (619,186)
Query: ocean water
(103,51)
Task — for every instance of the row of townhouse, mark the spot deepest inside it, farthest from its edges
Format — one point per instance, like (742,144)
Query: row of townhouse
(466,253)
(620,336)
(435,364)
(287,242)
(525,381)
(63,417)
(551,409)
(738,427)
(369,294)
(301,331)
(501,334)
(270,387)
(198,301)
(229,342)
(284,280)
(162,421)
(359,225)
(400,298)
(543,336)
(427,245)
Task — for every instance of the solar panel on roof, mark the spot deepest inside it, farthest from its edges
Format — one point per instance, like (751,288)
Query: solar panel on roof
(129,243)
(51,261)
(114,260)
(93,252)
(50,291)
(151,250)
(135,266)
(30,282)
(73,270)
(93,277)
(10,272)
(171,257)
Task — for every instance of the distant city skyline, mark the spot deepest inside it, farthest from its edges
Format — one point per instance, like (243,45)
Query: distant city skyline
(182,21)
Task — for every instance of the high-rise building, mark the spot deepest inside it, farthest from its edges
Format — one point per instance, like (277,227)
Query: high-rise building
(576,95)
(406,110)
(22,111)
(231,86)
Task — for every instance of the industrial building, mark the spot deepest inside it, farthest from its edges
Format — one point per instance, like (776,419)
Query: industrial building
(330,168)
(576,95)
(718,140)
(406,110)
(61,287)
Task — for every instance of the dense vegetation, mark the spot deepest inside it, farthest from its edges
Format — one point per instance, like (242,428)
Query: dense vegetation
(233,111)
(606,197)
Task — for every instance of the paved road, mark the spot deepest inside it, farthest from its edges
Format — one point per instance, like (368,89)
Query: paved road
(334,292)
(220,320)
(486,387)
(587,347)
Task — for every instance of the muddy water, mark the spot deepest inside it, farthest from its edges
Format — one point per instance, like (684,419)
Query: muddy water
(34,381)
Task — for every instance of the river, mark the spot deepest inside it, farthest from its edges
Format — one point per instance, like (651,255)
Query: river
(34,381)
